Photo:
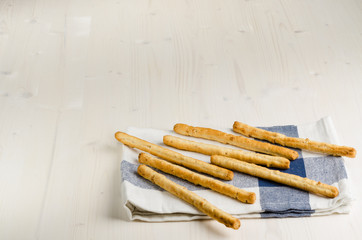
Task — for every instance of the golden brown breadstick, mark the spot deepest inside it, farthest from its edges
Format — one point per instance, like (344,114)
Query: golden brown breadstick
(239,141)
(198,179)
(301,143)
(209,149)
(189,196)
(174,157)
(276,176)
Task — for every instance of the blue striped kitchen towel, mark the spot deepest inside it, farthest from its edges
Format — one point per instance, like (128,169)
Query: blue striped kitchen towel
(142,200)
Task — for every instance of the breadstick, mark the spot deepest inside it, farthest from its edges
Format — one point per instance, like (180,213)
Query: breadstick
(197,179)
(239,141)
(188,196)
(276,176)
(209,149)
(301,143)
(174,157)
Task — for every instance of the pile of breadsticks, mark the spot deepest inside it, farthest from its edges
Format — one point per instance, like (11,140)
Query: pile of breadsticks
(224,159)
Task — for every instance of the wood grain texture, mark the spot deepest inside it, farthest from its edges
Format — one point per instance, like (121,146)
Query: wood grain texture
(72,73)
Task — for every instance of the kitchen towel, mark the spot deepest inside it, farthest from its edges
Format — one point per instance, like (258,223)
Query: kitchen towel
(142,200)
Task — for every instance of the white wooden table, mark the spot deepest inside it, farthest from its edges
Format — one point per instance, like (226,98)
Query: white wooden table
(72,73)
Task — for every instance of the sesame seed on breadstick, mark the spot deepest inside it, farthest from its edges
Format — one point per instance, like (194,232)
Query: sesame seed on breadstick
(276,176)
(239,141)
(190,197)
(174,157)
(198,179)
(300,143)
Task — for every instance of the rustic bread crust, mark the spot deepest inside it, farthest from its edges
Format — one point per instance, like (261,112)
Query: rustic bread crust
(239,141)
(300,143)
(209,149)
(197,179)
(276,176)
(174,157)
(188,196)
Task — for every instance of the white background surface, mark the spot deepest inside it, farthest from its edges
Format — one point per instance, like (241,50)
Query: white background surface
(72,73)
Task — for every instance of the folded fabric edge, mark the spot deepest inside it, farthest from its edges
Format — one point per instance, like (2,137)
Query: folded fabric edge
(133,212)
(136,214)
